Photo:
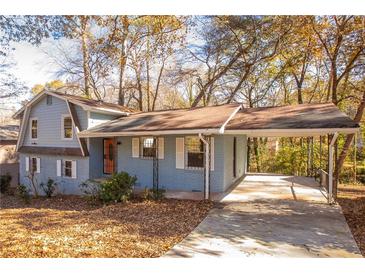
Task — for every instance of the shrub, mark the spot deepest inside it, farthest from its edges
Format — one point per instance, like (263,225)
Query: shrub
(153,194)
(118,188)
(24,193)
(49,188)
(5,182)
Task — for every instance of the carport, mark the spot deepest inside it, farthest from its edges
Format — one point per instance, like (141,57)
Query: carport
(305,120)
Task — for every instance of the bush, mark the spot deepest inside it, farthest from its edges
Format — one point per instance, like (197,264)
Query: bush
(153,194)
(24,193)
(91,189)
(49,188)
(118,188)
(5,182)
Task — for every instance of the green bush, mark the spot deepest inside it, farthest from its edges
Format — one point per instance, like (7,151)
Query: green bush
(5,182)
(49,188)
(153,194)
(24,193)
(118,188)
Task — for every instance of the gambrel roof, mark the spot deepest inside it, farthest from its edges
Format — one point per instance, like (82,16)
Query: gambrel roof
(85,103)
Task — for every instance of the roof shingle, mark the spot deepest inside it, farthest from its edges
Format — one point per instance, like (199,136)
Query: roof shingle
(303,116)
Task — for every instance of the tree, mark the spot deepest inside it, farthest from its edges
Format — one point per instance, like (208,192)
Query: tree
(31,29)
(342,38)
(53,85)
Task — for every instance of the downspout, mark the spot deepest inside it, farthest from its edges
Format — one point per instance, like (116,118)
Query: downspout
(207,167)
(330,168)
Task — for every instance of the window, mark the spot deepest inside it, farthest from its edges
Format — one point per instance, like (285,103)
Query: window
(34,128)
(67,127)
(148,147)
(33,165)
(67,168)
(194,148)
(49,100)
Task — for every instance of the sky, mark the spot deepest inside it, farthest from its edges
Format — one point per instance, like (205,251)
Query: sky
(30,68)
(30,64)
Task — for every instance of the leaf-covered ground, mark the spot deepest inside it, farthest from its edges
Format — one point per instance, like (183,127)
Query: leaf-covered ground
(72,227)
(352,200)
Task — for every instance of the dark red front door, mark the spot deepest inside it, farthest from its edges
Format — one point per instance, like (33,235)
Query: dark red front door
(108,156)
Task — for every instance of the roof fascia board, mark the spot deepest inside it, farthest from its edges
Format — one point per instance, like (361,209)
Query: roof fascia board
(76,124)
(148,133)
(297,132)
(23,128)
(87,108)
(34,100)
(222,128)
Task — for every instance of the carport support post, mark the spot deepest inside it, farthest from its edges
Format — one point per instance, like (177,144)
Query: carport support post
(330,168)
(206,166)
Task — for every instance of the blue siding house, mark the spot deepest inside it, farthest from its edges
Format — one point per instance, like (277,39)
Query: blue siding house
(200,151)
(64,138)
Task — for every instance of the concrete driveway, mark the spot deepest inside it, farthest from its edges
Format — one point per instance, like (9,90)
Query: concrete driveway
(280,216)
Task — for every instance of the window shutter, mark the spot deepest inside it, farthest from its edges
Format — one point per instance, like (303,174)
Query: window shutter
(211,153)
(38,165)
(161,148)
(26,163)
(135,147)
(59,168)
(180,159)
(74,170)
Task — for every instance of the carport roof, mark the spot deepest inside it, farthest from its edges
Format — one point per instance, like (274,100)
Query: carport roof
(294,120)
(286,117)
(301,120)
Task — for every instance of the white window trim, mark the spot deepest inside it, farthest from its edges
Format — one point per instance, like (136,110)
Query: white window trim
(186,155)
(30,128)
(49,96)
(38,164)
(63,166)
(63,116)
(141,145)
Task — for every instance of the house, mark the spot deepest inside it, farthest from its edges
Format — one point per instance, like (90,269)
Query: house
(9,163)
(201,150)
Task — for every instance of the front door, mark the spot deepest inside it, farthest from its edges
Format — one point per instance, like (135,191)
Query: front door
(109,156)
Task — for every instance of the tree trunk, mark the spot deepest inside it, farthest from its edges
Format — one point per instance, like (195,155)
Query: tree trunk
(148,84)
(300,97)
(123,60)
(248,154)
(121,93)
(85,55)
(256,151)
(342,157)
(158,86)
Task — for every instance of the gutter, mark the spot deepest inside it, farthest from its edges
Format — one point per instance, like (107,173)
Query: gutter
(141,133)
(222,128)
(207,168)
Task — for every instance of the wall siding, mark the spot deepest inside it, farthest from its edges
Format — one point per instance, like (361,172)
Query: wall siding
(49,124)
(99,118)
(241,154)
(170,177)
(96,158)
(48,170)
